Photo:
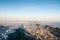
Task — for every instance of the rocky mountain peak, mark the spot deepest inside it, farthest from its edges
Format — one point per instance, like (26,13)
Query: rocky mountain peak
(41,33)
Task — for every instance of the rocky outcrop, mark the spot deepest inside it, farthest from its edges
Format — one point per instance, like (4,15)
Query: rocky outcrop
(54,30)
(42,33)
(33,31)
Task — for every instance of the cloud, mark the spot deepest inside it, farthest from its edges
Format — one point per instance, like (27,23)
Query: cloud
(29,10)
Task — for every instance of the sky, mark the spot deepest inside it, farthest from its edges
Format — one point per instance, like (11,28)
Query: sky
(46,10)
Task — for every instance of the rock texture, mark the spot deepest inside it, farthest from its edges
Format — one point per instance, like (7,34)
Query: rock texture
(33,31)
(42,33)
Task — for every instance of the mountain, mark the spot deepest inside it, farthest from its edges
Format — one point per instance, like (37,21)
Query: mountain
(18,34)
(2,30)
(33,31)
(41,33)
(53,30)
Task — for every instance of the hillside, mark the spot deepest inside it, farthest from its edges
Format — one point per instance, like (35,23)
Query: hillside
(32,31)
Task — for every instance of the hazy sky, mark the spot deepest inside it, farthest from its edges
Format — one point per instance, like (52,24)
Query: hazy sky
(30,9)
